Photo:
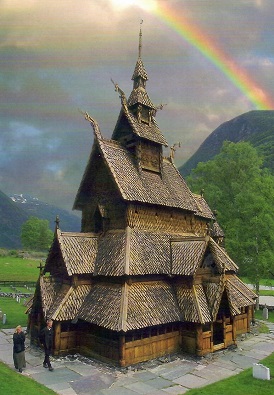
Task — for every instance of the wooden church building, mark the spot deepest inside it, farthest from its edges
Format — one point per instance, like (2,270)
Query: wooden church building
(148,274)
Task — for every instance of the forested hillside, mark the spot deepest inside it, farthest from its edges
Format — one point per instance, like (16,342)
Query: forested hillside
(256,127)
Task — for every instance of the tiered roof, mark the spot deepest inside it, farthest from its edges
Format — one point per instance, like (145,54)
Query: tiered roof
(120,306)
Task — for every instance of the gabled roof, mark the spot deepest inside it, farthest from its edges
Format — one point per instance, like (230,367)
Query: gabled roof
(193,304)
(223,261)
(140,96)
(152,303)
(214,292)
(137,185)
(51,292)
(239,295)
(188,253)
(141,129)
(147,131)
(76,251)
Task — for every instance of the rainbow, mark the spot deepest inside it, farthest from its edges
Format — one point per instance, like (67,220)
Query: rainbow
(259,98)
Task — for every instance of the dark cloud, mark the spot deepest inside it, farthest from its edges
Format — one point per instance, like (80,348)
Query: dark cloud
(59,57)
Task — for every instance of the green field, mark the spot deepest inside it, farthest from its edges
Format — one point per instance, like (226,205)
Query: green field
(18,269)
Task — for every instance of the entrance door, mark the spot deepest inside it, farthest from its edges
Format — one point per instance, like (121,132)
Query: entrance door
(218,334)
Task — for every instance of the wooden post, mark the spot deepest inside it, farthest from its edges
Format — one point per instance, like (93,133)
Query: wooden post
(199,340)
(57,337)
(224,331)
(211,337)
(234,329)
(122,342)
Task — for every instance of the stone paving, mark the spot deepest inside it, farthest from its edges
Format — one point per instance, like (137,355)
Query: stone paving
(76,375)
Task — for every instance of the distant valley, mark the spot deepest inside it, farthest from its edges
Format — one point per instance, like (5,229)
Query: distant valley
(17,208)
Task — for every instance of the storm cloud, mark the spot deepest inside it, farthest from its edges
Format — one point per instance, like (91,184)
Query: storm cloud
(57,58)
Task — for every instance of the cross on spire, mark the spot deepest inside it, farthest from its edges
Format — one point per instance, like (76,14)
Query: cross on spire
(140,39)
(40,267)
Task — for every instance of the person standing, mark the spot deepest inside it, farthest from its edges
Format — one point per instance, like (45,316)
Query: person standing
(46,338)
(19,349)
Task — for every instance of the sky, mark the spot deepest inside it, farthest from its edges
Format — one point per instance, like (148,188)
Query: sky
(208,61)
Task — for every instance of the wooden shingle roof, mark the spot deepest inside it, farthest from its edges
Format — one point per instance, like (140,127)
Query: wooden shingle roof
(140,70)
(137,252)
(214,292)
(168,189)
(139,95)
(147,131)
(222,260)
(187,255)
(193,304)
(152,303)
(51,292)
(78,252)
(203,208)
(68,308)
(239,295)
(142,304)
(122,307)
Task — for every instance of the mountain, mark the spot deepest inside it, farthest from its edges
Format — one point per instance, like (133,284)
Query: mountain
(11,219)
(256,126)
(36,208)
(16,209)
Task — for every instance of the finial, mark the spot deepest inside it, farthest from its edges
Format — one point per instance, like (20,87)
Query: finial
(140,39)
(173,149)
(122,95)
(93,123)
(57,221)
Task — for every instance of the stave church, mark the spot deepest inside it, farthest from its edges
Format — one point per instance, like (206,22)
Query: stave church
(148,275)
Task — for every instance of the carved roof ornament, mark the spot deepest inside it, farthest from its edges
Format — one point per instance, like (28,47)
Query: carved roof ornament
(173,150)
(94,124)
(121,95)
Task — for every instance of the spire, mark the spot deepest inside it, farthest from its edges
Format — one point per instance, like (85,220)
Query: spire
(139,95)
(140,40)
(140,71)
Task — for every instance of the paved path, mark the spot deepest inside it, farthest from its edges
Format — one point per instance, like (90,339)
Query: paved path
(80,376)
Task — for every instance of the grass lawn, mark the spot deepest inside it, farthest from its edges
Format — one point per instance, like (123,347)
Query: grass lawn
(13,383)
(18,269)
(15,313)
(259,315)
(269,282)
(241,384)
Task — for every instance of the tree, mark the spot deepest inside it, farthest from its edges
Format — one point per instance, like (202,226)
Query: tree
(235,184)
(36,235)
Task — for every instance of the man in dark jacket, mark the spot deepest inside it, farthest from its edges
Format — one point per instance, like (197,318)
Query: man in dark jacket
(46,338)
